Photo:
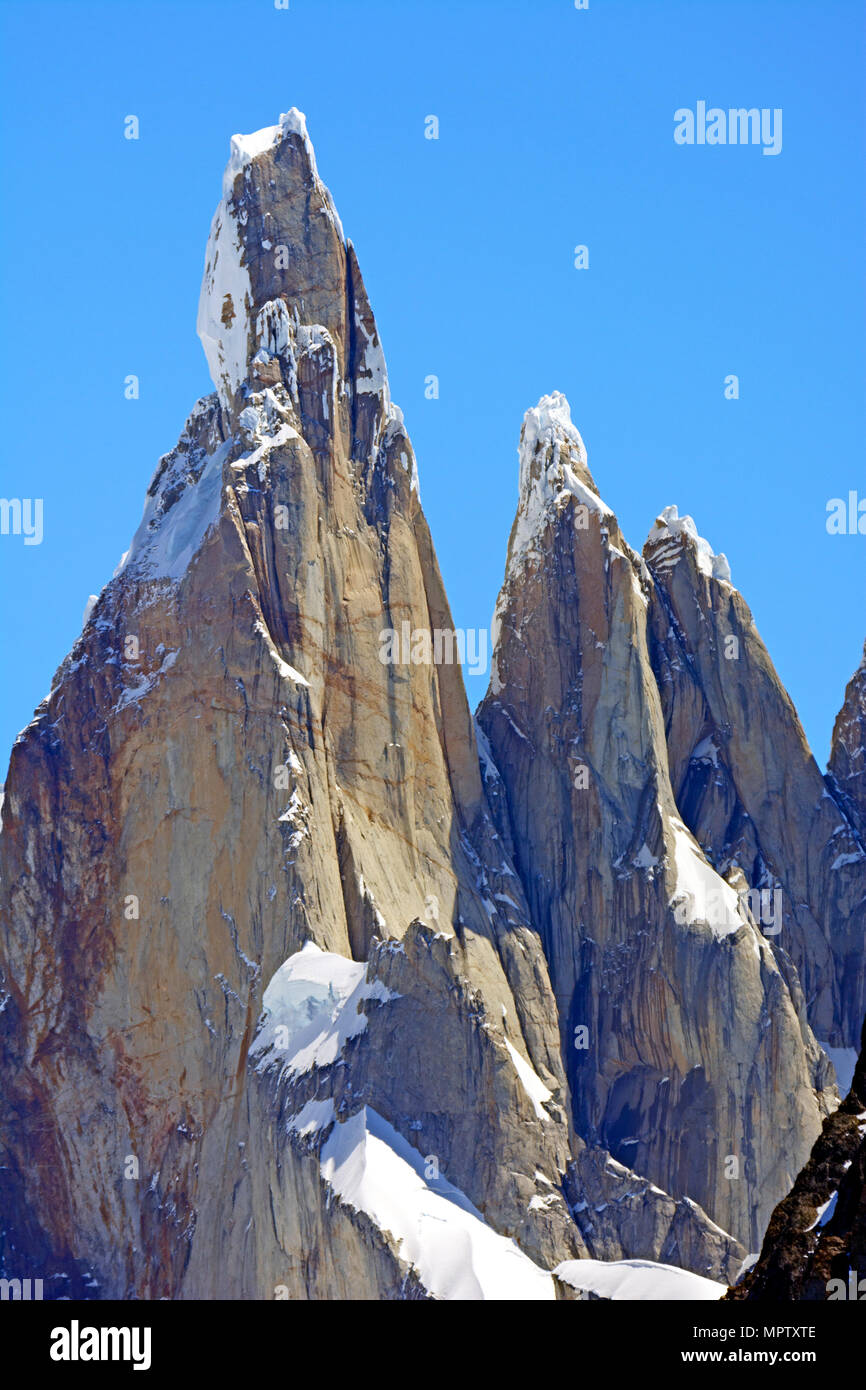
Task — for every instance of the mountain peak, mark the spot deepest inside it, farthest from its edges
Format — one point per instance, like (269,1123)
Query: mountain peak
(275,240)
(246,148)
(551,416)
(252,851)
(672,535)
(553,467)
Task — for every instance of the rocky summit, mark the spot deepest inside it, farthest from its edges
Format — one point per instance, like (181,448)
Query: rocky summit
(312,986)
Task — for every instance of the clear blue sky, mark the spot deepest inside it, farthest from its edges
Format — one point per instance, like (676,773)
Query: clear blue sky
(556,128)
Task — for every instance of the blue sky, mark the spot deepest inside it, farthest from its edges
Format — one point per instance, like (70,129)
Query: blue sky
(556,129)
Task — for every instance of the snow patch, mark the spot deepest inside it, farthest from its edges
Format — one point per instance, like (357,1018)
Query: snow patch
(531,1081)
(312,1009)
(643,1280)
(375,379)
(145,682)
(842,860)
(166,543)
(702,895)
(439,1232)
(706,751)
(224,303)
(316,1115)
(490,771)
(286,671)
(645,859)
(273,327)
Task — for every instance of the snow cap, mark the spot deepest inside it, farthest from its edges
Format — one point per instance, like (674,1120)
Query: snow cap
(227,303)
(672,534)
(552,466)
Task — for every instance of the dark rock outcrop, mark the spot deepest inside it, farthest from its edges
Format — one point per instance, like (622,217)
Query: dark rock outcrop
(815,1246)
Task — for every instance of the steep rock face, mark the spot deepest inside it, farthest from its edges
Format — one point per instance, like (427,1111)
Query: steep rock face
(745,780)
(246,774)
(618,1210)
(847,765)
(271,999)
(815,1246)
(687,1047)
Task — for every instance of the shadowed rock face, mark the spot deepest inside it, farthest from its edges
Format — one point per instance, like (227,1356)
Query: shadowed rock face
(847,765)
(815,1246)
(685,1035)
(747,784)
(229,768)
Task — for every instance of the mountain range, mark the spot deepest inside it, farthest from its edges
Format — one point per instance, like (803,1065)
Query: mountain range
(313,985)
